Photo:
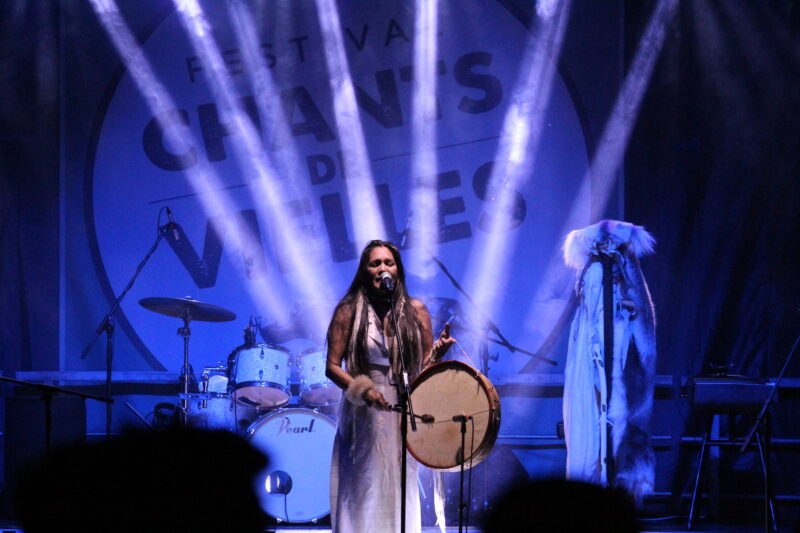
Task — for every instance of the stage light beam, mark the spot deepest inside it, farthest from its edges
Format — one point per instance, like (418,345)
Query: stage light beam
(516,157)
(424,204)
(365,215)
(597,184)
(271,195)
(201,177)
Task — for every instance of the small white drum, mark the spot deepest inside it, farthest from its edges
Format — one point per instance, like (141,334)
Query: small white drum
(295,487)
(214,379)
(316,390)
(210,410)
(450,389)
(260,376)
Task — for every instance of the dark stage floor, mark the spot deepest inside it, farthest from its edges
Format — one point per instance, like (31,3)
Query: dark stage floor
(671,525)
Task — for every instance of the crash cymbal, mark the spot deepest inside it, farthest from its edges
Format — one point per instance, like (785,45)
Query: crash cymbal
(187,308)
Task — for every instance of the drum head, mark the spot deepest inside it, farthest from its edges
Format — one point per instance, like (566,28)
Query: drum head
(299,442)
(446,390)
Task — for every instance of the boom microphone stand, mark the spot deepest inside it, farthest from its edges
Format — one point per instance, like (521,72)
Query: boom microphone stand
(48,391)
(107,324)
(490,326)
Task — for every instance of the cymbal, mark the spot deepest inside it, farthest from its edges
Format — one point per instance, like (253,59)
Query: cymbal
(187,308)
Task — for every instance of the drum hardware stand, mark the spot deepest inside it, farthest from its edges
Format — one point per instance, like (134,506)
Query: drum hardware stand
(489,326)
(47,396)
(139,415)
(107,324)
(406,413)
(187,309)
(186,370)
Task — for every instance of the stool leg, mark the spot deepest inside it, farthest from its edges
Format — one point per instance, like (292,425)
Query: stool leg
(769,504)
(697,479)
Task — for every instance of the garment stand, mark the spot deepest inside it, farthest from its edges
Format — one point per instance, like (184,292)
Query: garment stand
(769,511)
(608,354)
(406,413)
(490,326)
(107,324)
(47,396)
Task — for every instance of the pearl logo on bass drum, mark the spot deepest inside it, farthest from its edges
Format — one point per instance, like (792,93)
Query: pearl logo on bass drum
(286,426)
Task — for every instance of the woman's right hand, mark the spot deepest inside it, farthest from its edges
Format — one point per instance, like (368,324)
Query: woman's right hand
(374,398)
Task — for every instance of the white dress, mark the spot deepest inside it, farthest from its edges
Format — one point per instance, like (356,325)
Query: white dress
(365,468)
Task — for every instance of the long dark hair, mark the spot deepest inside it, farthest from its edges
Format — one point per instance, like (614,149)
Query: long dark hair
(357,298)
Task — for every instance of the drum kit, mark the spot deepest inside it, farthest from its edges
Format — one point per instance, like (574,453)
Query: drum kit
(253,392)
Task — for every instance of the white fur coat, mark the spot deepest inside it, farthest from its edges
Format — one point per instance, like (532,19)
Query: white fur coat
(587,406)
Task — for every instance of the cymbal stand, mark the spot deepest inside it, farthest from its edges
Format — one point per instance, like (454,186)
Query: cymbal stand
(186,370)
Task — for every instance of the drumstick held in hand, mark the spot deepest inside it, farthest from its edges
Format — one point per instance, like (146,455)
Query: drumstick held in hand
(426,418)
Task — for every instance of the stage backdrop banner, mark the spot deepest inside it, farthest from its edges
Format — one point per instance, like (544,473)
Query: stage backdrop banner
(133,171)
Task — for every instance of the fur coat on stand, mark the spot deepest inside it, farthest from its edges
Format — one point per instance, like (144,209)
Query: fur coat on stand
(588,409)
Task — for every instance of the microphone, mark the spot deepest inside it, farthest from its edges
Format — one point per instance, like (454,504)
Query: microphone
(461,418)
(176,236)
(387,282)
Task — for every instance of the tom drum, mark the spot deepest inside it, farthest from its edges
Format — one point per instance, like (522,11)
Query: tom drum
(316,390)
(260,376)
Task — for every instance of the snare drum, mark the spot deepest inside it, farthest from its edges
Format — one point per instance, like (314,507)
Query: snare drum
(316,390)
(445,390)
(214,379)
(210,410)
(260,376)
(295,487)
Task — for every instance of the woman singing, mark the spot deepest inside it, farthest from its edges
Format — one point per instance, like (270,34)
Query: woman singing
(365,470)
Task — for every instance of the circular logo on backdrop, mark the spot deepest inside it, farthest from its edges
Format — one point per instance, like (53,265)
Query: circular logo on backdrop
(139,168)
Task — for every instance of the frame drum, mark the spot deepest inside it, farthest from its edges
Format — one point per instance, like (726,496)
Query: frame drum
(445,390)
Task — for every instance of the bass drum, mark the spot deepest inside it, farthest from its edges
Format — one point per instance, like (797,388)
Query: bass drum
(295,487)
(445,390)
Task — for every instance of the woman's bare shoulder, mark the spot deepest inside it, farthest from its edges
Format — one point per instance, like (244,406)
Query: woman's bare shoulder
(419,308)
(343,312)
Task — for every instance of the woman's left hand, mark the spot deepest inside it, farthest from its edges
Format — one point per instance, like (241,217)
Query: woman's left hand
(444,342)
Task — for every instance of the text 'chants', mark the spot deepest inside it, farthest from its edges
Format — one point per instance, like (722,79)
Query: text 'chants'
(305,118)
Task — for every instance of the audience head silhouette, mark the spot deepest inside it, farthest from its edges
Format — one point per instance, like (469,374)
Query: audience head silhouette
(559,506)
(173,480)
